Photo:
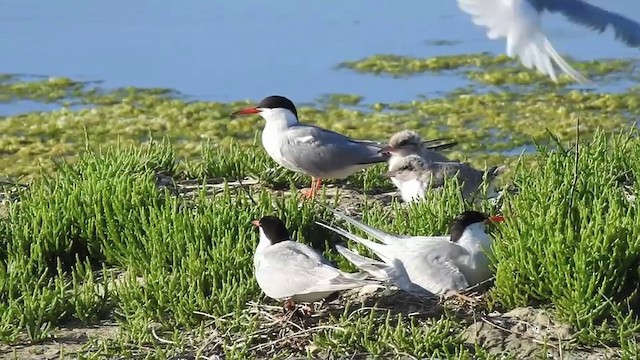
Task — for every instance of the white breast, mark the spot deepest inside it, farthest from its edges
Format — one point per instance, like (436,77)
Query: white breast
(411,190)
(272,143)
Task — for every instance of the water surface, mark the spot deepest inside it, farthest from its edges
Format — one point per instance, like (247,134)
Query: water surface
(246,49)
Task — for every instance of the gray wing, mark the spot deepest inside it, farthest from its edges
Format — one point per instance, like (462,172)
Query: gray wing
(290,268)
(320,152)
(580,12)
(437,172)
(433,155)
(432,266)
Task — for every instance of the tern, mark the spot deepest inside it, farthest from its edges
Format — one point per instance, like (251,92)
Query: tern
(310,150)
(437,265)
(290,271)
(408,142)
(413,176)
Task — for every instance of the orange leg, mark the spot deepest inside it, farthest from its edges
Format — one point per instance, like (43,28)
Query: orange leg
(315,187)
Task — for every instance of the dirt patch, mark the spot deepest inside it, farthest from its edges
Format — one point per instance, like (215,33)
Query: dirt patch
(66,341)
(529,332)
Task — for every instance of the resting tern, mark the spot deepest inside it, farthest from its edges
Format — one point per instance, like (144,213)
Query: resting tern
(294,272)
(436,264)
(408,142)
(413,176)
(519,21)
(308,149)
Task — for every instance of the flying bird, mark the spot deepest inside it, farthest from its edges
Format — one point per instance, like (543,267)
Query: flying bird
(519,21)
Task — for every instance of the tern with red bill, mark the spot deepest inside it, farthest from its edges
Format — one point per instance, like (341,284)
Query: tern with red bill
(519,21)
(294,272)
(437,265)
(310,150)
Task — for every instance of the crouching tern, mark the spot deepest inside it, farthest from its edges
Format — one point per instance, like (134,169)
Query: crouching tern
(408,142)
(519,21)
(310,150)
(438,265)
(290,271)
(412,175)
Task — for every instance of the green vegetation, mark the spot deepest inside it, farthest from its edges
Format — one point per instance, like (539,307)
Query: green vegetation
(574,237)
(100,239)
(105,232)
(483,67)
(104,241)
(491,127)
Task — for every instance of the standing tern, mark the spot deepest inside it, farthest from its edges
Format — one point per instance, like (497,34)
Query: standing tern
(413,176)
(519,21)
(435,264)
(294,272)
(311,150)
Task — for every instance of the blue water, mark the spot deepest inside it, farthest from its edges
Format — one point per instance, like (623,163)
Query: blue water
(246,49)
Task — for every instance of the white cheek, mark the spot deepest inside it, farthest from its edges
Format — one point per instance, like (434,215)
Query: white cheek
(278,115)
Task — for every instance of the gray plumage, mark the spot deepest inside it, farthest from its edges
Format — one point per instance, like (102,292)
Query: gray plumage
(421,264)
(413,176)
(323,153)
(593,17)
(408,142)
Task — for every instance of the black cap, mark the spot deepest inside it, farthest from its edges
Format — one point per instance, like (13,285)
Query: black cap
(274,229)
(276,102)
(462,221)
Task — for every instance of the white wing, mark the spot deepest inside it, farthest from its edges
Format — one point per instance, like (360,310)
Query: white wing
(289,268)
(428,262)
(519,22)
(396,273)
(377,269)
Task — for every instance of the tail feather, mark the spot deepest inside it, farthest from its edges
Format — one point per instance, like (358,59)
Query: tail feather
(378,234)
(377,248)
(375,268)
(562,64)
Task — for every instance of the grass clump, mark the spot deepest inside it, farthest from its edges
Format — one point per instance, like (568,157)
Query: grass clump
(54,237)
(573,235)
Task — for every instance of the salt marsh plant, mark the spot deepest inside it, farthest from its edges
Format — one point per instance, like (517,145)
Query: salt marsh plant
(573,239)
